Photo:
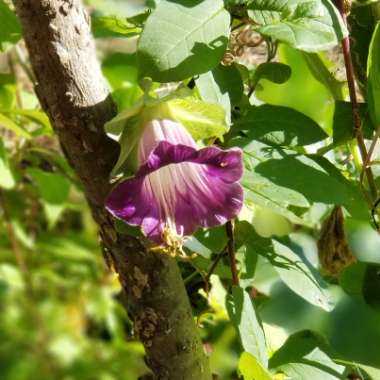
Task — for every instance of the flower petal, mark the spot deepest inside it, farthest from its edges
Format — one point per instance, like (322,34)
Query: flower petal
(162,130)
(182,186)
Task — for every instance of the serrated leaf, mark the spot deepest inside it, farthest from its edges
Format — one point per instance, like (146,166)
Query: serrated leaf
(243,315)
(300,277)
(251,369)
(306,25)
(7,180)
(10,31)
(280,126)
(192,39)
(373,73)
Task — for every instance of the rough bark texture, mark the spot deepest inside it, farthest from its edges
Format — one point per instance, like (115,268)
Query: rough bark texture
(73,92)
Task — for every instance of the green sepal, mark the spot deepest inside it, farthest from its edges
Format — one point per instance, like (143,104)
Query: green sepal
(204,121)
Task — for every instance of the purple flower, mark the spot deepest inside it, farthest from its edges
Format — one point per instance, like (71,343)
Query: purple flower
(178,186)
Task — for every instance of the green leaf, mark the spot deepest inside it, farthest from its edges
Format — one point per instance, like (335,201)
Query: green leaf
(306,25)
(316,179)
(316,366)
(321,68)
(191,40)
(54,190)
(113,26)
(7,180)
(223,85)
(343,129)
(7,91)
(373,372)
(10,31)
(243,315)
(34,116)
(194,245)
(11,277)
(65,247)
(288,183)
(275,72)
(303,353)
(299,275)
(302,92)
(7,123)
(121,72)
(296,347)
(202,120)
(119,7)
(280,126)
(261,190)
(364,241)
(373,73)
(250,245)
(251,369)
(351,280)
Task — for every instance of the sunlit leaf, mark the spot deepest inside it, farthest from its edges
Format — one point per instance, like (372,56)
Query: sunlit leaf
(244,316)
(192,39)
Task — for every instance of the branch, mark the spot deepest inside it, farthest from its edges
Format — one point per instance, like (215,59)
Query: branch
(355,106)
(74,94)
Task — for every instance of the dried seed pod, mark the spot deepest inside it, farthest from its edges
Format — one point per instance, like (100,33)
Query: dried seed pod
(333,249)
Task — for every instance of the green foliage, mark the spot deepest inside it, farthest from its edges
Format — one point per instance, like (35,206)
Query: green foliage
(373,73)
(305,25)
(62,313)
(192,39)
(243,315)
(7,180)
(281,126)
(10,31)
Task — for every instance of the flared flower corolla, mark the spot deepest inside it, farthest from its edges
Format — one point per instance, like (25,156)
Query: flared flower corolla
(178,186)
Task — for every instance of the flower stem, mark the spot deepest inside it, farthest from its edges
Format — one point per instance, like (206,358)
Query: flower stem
(354,105)
(231,253)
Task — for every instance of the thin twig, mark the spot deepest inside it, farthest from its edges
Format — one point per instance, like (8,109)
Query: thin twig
(367,163)
(231,253)
(355,106)
(213,267)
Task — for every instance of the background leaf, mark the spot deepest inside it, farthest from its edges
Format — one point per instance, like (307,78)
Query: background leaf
(306,25)
(7,180)
(10,31)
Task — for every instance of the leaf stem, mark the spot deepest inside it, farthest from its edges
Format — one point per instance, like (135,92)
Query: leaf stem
(231,253)
(354,105)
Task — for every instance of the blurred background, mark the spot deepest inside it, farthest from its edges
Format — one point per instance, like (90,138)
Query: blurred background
(61,314)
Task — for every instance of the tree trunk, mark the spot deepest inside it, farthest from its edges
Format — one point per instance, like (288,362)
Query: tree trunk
(74,94)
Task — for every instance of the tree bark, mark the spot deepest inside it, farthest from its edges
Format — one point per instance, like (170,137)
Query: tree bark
(74,94)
